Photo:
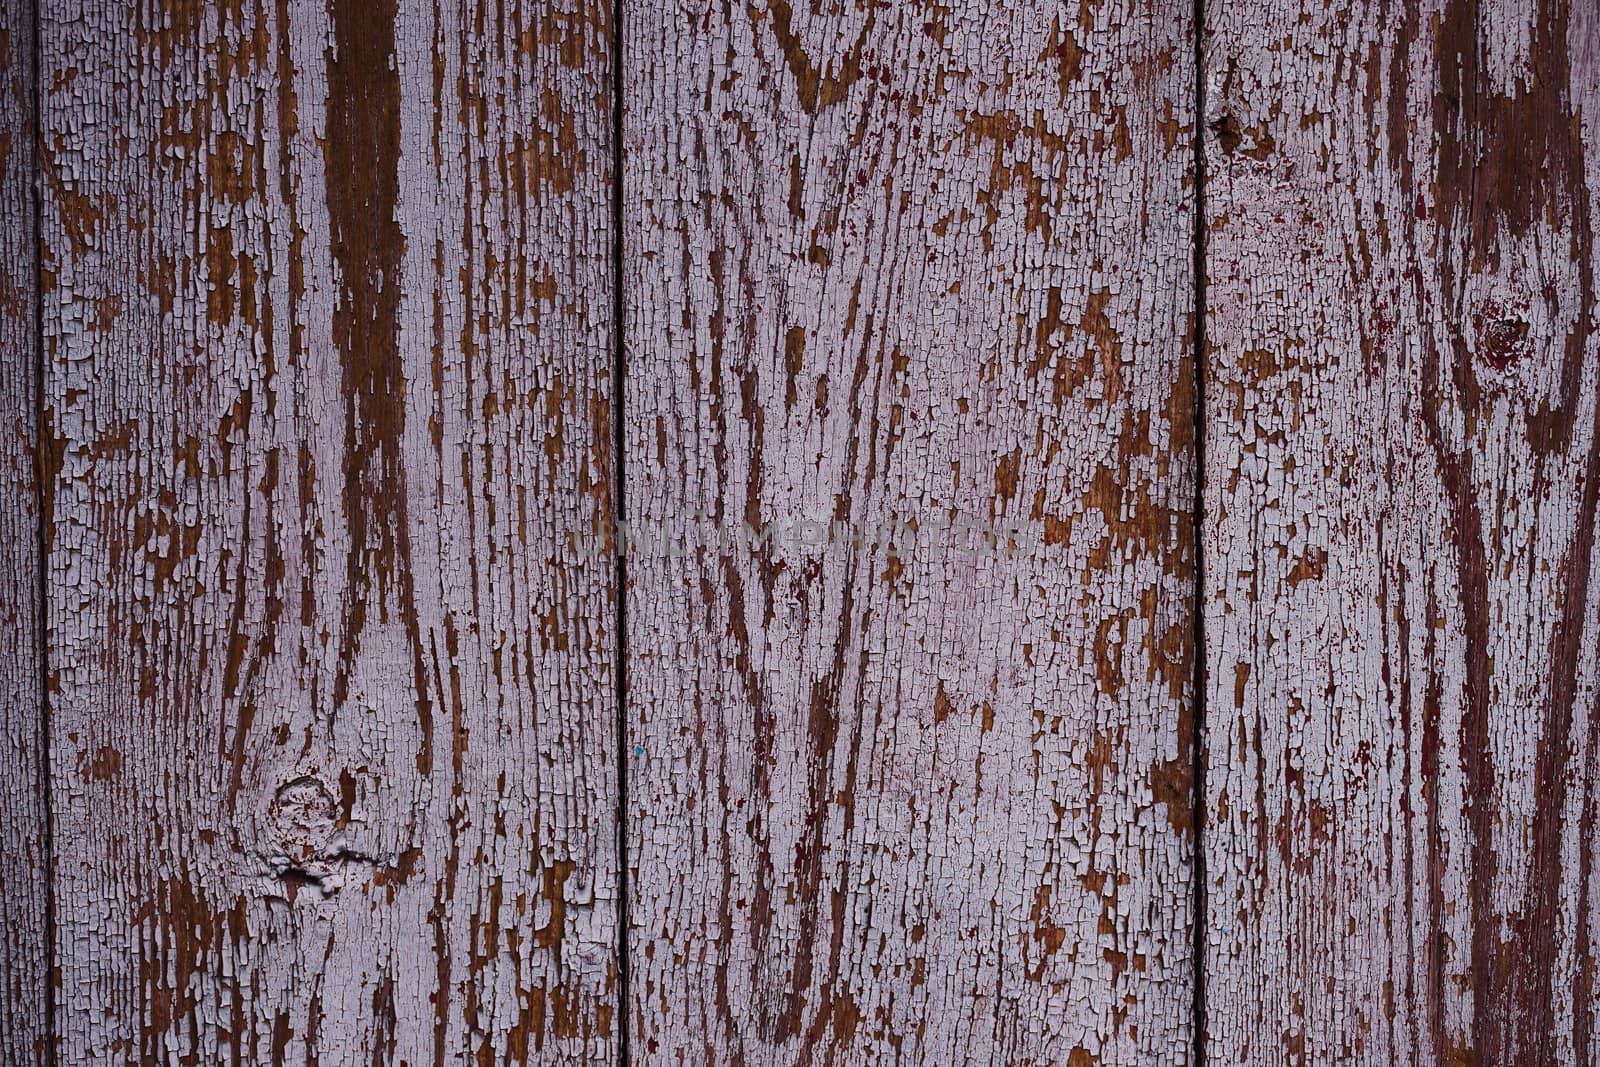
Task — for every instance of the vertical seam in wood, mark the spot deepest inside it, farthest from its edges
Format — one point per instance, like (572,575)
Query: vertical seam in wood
(619,470)
(41,543)
(1198,697)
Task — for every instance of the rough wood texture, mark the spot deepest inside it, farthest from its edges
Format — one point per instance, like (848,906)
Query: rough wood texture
(327,321)
(24,858)
(918,264)
(1401,479)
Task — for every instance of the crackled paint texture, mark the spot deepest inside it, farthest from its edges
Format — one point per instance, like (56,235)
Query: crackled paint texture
(1401,479)
(24,860)
(919,264)
(327,348)
(311,452)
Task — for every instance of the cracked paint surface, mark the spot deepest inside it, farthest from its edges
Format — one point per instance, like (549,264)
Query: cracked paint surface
(1401,483)
(327,327)
(325,434)
(24,847)
(917,264)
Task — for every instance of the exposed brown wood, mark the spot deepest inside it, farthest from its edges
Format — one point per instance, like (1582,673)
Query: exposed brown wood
(327,318)
(897,263)
(24,835)
(1402,473)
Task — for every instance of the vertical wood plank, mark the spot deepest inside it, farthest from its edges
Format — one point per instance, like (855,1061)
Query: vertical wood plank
(327,319)
(1402,471)
(926,265)
(24,840)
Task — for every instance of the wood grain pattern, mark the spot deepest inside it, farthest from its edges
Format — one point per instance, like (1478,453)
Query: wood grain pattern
(327,320)
(1401,480)
(24,834)
(890,263)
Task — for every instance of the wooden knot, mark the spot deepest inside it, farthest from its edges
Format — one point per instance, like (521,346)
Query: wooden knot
(303,819)
(1502,338)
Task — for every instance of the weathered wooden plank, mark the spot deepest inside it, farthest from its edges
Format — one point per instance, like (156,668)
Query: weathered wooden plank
(1402,469)
(24,833)
(327,323)
(899,263)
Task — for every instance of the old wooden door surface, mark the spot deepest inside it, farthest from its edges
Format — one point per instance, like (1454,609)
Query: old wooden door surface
(832,533)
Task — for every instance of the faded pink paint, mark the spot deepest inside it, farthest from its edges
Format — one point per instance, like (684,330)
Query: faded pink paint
(334,709)
(1401,480)
(890,262)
